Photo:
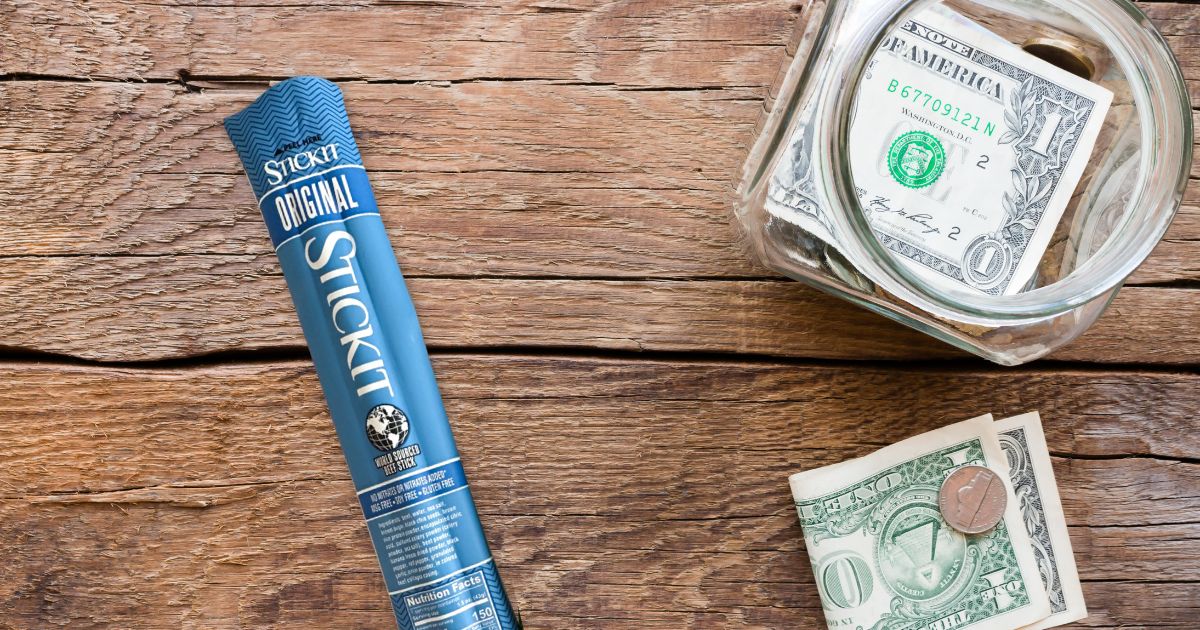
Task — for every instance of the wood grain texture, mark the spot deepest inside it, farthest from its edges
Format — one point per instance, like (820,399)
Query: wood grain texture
(657,507)
(674,43)
(555,176)
(681,42)
(145,224)
(511,178)
(129,308)
(559,185)
(479,178)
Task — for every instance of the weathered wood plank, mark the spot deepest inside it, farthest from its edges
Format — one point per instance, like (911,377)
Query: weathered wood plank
(493,178)
(532,126)
(557,186)
(297,554)
(215,496)
(294,553)
(226,492)
(677,43)
(127,308)
(594,418)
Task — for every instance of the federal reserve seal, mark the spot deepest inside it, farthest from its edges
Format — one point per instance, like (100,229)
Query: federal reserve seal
(916,159)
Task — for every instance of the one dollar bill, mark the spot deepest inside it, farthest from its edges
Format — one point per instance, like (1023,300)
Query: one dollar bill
(1036,494)
(965,151)
(885,559)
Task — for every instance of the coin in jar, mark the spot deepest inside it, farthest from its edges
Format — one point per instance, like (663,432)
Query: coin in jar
(973,499)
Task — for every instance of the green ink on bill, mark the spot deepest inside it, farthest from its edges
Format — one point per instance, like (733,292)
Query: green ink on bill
(916,159)
(885,558)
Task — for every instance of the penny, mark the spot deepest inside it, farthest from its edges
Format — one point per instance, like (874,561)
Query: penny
(972,499)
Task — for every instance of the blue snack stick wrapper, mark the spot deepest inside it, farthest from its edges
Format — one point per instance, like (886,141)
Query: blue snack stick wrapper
(362,330)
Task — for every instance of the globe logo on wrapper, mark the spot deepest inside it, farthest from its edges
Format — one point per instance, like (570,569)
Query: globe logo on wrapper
(387,427)
(916,159)
(299,152)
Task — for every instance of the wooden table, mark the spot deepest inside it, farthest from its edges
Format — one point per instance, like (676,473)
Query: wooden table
(629,392)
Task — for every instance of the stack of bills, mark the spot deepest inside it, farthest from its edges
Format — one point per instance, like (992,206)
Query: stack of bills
(885,558)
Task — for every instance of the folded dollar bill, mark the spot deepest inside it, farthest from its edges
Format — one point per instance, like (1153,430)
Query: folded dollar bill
(884,558)
(965,150)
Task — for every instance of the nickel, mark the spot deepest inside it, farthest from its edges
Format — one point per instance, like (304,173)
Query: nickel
(972,499)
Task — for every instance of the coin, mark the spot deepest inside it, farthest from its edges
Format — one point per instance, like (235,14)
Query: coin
(972,499)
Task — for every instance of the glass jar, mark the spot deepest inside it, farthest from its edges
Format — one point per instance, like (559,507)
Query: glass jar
(1131,185)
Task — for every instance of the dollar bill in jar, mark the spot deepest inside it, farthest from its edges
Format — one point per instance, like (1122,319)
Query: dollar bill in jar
(965,151)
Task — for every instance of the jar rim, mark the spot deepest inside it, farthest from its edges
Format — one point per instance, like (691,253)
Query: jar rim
(1163,108)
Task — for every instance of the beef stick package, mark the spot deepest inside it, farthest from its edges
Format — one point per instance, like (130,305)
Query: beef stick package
(304,166)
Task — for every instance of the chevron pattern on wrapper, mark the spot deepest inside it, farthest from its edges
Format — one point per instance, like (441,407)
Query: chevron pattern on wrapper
(297,108)
(296,146)
(499,598)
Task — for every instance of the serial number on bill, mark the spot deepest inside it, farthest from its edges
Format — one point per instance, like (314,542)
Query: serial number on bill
(942,107)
